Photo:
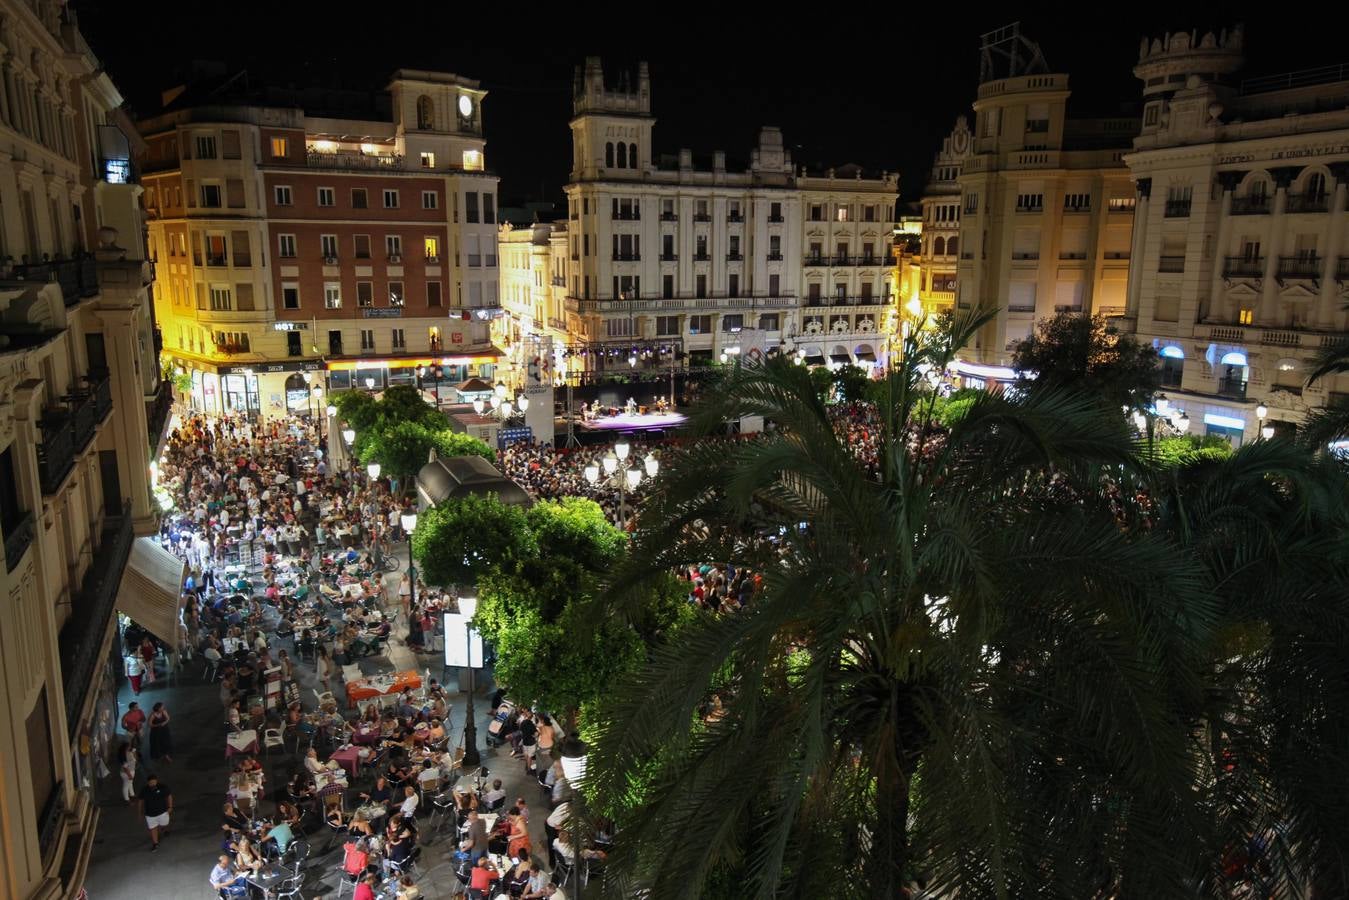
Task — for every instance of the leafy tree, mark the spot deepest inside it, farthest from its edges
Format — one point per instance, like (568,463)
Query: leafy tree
(459,541)
(822,382)
(1086,354)
(965,640)
(404,448)
(452,443)
(851,384)
(404,403)
(359,409)
(1185,449)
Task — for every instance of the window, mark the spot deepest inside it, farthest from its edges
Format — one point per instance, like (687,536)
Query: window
(367,339)
(326,197)
(489,210)
(700,283)
(472,160)
(215,250)
(1150,114)
(622,155)
(768,322)
(609,155)
(280,146)
(701,210)
(431,245)
(971,203)
(362,245)
(242,257)
(774,281)
(220,297)
(232,341)
(667,287)
(701,251)
(282,194)
(1077,202)
(328,243)
(205,146)
(428,160)
(1030,202)
(667,247)
(332,296)
(1245,316)
(335,342)
(841,213)
(700,324)
(471,208)
(210,196)
(1122,204)
(433,293)
(285,246)
(430,199)
(733,211)
(817,212)
(868,214)
(667,325)
(473,250)
(293,347)
(390,199)
(733,285)
(399,341)
(290,296)
(732,323)
(393,246)
(365,294)
(396,297)
(359,200)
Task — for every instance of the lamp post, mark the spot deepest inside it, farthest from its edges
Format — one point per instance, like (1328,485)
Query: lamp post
(574,754)
(409,522)
(626,480)
(467,607)
(349,437)
(1266,431)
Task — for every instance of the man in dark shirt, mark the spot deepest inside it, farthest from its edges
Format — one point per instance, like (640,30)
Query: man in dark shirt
(156,802)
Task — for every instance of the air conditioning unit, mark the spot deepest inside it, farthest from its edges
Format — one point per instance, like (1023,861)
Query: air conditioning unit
(395,257)
(330,260)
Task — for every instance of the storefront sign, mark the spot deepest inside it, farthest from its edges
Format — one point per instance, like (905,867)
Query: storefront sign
(290,326)
(269,367)
(393,312)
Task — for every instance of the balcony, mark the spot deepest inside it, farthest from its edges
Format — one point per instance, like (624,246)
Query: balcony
(157,412)
(817,260)
(776,220)
(1177,209)
(669,257)
(669,217)
(344,159)
(1021,307)
(78,276)
(1030,208)
(627,216)
(702,217)
(775,257)
(50,822)
(1026,254)
(735,217)
(1342,269)
(868,260)
(55,449)
(220,260)
(1233,388)
(1307,203)
(1299,267)
(17,538)
(627,257)
(701,257)
(1172,264)
(734,257)
(1076,208)
(1241,267)
(1250,206)
(81,639)
(559,281)
(1071,254)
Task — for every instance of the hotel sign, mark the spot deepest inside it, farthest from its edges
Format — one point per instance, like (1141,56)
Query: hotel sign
(290,326)
(1292,153)
(393,312)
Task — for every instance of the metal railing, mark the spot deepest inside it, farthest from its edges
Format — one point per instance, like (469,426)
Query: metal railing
(101,386)
(78,276)
(627,257)
(1171,264)
(347,160)
(735,217)
(1026,254)
(669,217)
(702,217)
(1342,268)
(776,219)
(669,257)
(1299,267)
(55,449)
(1306,203)
(1232,387)
(50,820)
(81,639)
(1241,267)
(1250,206)
(17,538)
(632,216)
(735,257)
(1176,209)
(774,257)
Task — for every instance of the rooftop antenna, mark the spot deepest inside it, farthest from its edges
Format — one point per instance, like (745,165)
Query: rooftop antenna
(1006,53)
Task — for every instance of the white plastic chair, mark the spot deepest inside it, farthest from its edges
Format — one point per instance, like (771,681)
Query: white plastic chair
(273,737)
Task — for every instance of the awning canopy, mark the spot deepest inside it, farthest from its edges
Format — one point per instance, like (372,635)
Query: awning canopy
(866,355)
(840,357)
(814,359)
(152,590)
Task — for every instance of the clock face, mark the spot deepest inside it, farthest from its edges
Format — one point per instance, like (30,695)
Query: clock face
(465,105)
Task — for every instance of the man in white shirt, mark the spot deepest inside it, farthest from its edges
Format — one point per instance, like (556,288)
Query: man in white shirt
(493,796)
(409,807)
(555,822)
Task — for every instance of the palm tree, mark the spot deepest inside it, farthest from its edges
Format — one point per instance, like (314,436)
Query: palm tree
(967,669)
(1330,423)
(1268,524)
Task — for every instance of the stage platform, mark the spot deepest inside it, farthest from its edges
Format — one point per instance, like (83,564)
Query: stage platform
(635,422)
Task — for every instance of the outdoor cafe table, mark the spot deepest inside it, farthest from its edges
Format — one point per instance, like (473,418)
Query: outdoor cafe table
(241,743)
(268,877)
(379,685)
(366,734)
(333,781)
(348,758)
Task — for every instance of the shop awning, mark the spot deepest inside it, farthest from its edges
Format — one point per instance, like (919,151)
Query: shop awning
(840,358)
(814,359)
(866,356)
(152,590)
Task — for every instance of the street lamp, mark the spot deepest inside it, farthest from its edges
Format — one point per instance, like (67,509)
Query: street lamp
(467,607)
(1182,423)
(370,382)
(349,435)
(1266,431)
(373,471)
(652,465)
(479,405)
(574,753)
(625,480)
(409,522)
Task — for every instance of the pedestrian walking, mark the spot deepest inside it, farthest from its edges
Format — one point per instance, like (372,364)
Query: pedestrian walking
(156,803)
(134,668)
(132,723)
(161,741)
(126,765)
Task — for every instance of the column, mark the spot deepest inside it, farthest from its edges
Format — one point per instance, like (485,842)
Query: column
(1228,181)
(1328,305)
(130,428)
(4,87)
(1268,312)
(1140,231)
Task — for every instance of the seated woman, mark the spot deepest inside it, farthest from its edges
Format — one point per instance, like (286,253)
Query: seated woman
(288,813)
(360,825)
(246,855)
(335,819)
(300,787)
(311,761)
(517,879)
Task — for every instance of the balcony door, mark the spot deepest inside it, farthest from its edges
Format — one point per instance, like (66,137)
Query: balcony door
(112,483)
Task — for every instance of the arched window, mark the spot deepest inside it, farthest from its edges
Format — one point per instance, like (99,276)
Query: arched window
(632,155)
(622,155)
(609,155)
(426,118)
(951,246)
(939,247)
(1316,187)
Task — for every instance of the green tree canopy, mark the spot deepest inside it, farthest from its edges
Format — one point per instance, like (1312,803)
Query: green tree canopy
(1088,355)
(402,449)
(459,541)
(357,408)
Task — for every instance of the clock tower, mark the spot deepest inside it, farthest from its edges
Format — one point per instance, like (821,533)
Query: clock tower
(611,125)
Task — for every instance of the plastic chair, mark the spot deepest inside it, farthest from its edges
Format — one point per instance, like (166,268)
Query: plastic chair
(271,737)
(324,697)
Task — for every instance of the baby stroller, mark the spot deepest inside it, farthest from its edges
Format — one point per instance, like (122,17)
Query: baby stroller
(501,725)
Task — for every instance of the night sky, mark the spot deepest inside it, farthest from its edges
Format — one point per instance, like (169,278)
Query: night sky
(875,84)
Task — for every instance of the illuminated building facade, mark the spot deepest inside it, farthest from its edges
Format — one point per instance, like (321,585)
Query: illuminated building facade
(351,236)
(1240,247)
(940,206)
(81,403)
